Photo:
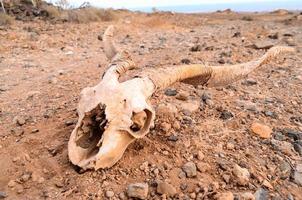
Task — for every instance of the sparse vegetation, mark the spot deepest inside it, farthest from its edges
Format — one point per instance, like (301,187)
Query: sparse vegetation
(29,9)
(247,18)
(5,19)
(90,14)
(83,15)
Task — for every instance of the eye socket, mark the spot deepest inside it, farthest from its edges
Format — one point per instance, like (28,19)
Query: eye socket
(141,123)
(138,120)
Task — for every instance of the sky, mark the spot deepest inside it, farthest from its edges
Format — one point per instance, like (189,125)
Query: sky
(132,4)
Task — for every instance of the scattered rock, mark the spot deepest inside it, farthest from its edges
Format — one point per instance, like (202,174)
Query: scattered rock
(173,138)
(293,134)
(61,72)
(190,169)
(25,177)
(290,41)
(202,167)
(225,115)
(166,110)
(267,184)
(226,178)
(183,96)
(283,146)
(165,127)
(100,37)
(209,102)
(297,178)
(182,175)
(185,61)
(261,130)
(17,131)
(122,196)
(19,189)
(59,183)
(206,95)
(261,194)
(263,45)
(190,106)
(241,175)
(170,92)
(195,48)
(230,146)
(247,196)
(138,190)
(299,168)
(298,147)
(274,36)
(249,82)
(11,183)
(271,114)
(35,130)
(19,120)
(70,122)
(224,196)
(109,194)
(237,34)
(221,61)
(3,195)
(166,188)
(285,169)
(200,155)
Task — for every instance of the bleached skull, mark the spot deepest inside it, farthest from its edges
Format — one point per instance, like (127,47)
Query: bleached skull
(113,114)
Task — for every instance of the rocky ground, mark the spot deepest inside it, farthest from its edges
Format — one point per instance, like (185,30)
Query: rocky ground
(242,141)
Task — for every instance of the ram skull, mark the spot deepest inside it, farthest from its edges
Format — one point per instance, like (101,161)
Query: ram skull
(113,113)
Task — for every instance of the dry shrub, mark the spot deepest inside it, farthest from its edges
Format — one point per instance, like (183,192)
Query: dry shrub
(5,19)
(52,12)
(90,14)
(83,15)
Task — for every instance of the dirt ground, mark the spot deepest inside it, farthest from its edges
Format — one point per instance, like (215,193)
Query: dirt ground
(45,65)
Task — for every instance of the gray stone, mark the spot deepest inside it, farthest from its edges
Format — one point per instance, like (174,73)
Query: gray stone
(206,95)
(285,169)
(190,169)
(293,134)
(138,190)
(249,82)
(172,138)
(297,178)
(3,195)
(261,194)
(225,115)
(298,147)
(70,122)
(170,92)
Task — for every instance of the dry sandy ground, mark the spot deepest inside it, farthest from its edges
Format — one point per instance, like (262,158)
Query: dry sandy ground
(44,66)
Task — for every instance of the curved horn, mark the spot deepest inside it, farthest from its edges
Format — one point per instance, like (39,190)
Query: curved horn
(120,60)
(211,76)
(109,46)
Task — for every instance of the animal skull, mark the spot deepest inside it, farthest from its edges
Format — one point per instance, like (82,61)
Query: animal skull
(113,114)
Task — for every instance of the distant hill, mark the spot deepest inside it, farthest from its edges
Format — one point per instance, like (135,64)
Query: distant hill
(245,7)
